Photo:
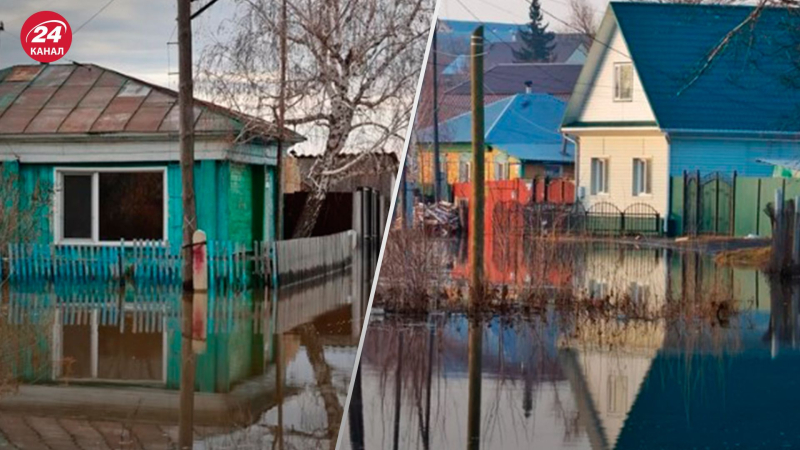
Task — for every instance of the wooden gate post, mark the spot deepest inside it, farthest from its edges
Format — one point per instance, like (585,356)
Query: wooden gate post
(200,282)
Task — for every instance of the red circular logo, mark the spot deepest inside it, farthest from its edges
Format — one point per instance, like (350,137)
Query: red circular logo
(46,36)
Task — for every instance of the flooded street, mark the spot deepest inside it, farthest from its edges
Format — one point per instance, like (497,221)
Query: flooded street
(688,355)
(98,366)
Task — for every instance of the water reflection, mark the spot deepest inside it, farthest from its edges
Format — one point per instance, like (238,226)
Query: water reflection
(714,368)
(98,366)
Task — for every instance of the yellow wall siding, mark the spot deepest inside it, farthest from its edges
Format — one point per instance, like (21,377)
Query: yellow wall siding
(453,157)
(620,151)
(600,105)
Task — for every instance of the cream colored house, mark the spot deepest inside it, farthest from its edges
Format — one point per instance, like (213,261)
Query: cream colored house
(623,155)
(643,112)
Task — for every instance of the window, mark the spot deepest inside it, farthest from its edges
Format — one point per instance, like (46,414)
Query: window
(617,394)
(599,176)
(642,175)
(623,82)
(463,171)
(109,205)
(500,171)
(553,170)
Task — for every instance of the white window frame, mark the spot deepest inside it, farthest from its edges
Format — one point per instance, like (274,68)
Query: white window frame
(596,189)
(618,67)
(467,166)
(642,180)
(58,204)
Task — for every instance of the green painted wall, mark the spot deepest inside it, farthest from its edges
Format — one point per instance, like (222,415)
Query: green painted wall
(240,203)
(751,195)
(234,201)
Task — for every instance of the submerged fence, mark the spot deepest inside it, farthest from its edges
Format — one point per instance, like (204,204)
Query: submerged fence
(230,264)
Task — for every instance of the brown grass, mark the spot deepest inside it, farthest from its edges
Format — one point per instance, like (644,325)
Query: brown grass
(751,258)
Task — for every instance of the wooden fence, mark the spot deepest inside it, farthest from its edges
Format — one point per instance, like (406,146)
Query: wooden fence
(142,262)
(230,265)
(304,259)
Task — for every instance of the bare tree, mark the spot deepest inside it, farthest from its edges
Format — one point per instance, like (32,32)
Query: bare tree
(352,71)
(582,18)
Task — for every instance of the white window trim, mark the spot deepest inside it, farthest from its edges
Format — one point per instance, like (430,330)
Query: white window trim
(649,165)
(616,89)
(58,204)
(598,193)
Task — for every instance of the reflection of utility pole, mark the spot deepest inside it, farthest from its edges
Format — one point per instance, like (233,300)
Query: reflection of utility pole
(398,386)
(431,337)
(474,413)
(478,174)
(437,175)
(356,414)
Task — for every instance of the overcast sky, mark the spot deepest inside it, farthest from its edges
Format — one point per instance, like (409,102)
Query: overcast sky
(128,35)
(513,11)
(131,35)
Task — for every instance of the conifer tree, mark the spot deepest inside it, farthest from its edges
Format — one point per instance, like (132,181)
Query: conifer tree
(537,42)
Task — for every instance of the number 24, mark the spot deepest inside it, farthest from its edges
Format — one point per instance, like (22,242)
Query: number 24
(54,35)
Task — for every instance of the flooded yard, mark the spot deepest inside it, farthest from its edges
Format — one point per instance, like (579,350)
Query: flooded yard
(635,348)
(98,366)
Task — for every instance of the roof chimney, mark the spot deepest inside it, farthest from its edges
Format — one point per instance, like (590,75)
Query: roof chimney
(528,86)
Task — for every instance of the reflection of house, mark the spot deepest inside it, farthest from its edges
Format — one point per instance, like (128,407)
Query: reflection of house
(521,136)
(108,143)
(646,108)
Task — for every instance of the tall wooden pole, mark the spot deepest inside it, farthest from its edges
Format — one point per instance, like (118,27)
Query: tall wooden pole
(437,170)
(281,121)
(478,171)
(186,119)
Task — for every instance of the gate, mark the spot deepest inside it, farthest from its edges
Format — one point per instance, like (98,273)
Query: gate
(708,203)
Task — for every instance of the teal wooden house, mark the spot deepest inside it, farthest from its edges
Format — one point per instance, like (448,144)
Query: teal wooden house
(103,147)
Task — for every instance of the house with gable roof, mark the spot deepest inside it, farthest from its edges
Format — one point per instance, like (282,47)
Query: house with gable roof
(521,136)
(648,105)
(106,146)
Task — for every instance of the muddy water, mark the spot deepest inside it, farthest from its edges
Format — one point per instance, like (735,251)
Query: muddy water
(96,367)
(702,376)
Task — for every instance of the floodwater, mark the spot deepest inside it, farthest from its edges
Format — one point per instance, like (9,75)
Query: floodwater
(93,367)
(709,360)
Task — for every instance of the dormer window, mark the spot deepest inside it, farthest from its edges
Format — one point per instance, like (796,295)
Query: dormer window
(623,82)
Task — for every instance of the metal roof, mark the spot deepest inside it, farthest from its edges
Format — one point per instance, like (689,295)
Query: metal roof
(524,125)
(86,99)
(507,79)
(751,85)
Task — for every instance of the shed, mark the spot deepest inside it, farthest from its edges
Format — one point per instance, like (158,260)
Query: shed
(103,146)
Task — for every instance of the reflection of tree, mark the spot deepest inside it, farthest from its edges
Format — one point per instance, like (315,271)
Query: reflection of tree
(322,374)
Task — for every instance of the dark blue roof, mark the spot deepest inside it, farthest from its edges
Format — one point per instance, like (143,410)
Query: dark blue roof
(748,87)
(524,125)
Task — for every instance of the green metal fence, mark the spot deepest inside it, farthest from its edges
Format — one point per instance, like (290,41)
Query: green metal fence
(724,204)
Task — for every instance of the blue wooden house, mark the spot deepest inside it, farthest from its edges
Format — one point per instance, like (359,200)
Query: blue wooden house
(104,147)
(650,104)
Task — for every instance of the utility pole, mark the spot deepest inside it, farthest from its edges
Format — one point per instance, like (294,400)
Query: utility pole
(478,171)
(437,175)
(186,137)
(281,121)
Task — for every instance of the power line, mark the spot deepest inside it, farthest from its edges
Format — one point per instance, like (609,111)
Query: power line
(93,16)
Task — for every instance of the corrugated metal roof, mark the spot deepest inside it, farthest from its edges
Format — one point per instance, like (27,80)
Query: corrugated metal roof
(524,125)
(69,99)
(750,86)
